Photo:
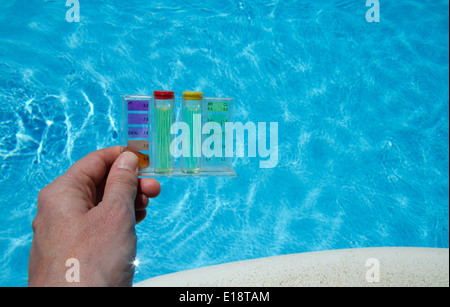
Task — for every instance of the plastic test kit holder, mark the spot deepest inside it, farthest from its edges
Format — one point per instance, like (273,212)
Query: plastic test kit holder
(147,121)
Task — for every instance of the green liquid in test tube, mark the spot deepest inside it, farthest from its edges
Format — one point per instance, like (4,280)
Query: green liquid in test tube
(164,118)
(192,110)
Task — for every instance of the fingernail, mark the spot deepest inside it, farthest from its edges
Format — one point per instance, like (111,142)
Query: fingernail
(143,159)
(128,160)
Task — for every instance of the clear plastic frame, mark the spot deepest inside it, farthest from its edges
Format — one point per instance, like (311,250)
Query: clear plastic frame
(181,137)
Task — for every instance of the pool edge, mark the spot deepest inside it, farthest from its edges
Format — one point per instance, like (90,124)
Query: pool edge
(395,266)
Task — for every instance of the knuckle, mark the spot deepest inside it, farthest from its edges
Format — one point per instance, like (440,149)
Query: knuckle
(120,213)
(43,194)
(43,200)
(35,223)
(120,218)
(126,179)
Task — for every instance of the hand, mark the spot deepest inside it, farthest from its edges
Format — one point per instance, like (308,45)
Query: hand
(89,214)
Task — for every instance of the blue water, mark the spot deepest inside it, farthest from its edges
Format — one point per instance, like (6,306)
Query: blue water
(363,113)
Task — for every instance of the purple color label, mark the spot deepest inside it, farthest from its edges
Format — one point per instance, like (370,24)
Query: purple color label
(137,105)
(137,132)
(137,119)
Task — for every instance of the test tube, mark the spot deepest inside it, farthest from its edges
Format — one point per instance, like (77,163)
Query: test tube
(192,116)
(164,117)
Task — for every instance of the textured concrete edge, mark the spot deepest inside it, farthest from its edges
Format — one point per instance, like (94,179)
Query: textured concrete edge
(379,266)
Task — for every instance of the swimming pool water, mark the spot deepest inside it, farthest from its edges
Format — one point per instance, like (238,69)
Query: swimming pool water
(362,110)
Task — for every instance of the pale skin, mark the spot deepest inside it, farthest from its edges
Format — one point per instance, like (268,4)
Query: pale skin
(89,213)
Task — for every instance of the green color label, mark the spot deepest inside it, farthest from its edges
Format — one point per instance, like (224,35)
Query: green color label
(217,106)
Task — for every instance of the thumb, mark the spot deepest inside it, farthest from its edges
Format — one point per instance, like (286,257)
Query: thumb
(121,185)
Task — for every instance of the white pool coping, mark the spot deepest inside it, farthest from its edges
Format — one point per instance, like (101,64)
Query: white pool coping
(395,266)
